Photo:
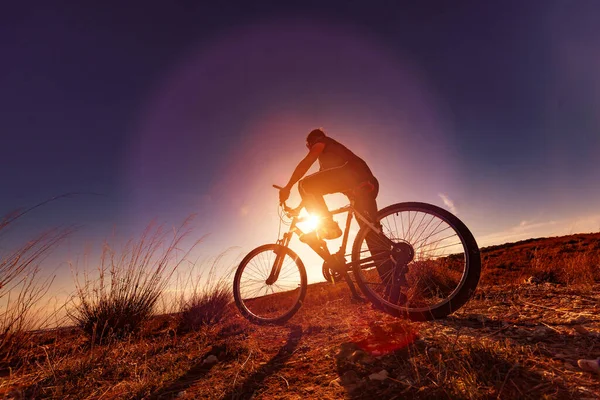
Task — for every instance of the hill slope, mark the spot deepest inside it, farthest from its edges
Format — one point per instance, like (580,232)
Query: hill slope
(512,340)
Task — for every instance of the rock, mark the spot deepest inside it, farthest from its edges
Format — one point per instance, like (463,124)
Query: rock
(521,332)
(358,355)
(347,349)
(433,351)
(210,360)
(379,376)
(542,331)
(367,359)
(348,346)
(581,330)
(349,377)
(589,365)
(569,366)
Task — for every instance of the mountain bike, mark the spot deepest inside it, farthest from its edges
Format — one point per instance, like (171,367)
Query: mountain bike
(413,260)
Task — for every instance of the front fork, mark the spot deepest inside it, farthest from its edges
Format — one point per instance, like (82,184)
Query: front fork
(280,255)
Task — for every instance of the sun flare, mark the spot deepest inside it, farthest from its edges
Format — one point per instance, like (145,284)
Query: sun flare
(309,223)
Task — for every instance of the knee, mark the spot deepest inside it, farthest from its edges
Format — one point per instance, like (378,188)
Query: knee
(305,187)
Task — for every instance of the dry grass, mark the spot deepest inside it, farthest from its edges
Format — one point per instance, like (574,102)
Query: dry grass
(206,307)
(570,268)
(22,287)
(510,341)
(205,297)
(570,260)
(432,279)
(125,292)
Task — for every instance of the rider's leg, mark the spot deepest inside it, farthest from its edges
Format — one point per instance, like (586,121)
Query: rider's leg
(313,187)
(365,202)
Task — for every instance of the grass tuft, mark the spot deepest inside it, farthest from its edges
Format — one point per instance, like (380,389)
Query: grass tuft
(208,302)
(124,294)
(206,308)
(22,286)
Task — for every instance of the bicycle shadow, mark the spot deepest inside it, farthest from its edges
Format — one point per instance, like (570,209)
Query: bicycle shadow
(247,389)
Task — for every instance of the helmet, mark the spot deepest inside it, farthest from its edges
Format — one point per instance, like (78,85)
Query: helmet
(313,136)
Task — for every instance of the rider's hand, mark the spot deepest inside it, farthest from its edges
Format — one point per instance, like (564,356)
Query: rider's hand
(284,194)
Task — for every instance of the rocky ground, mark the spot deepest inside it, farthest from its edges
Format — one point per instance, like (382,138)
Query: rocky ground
(517,341)
(509,342)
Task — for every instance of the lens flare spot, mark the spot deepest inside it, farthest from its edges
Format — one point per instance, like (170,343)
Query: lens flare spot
(309,222)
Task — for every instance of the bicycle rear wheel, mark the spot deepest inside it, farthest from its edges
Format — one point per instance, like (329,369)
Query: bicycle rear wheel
(430,272)
(265,296)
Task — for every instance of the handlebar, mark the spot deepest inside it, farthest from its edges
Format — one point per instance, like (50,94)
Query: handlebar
(289,210)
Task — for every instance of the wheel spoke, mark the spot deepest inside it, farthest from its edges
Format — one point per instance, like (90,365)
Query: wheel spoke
(437,267)
(262,302)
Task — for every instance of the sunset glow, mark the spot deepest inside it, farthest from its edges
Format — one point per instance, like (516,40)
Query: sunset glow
(207,123)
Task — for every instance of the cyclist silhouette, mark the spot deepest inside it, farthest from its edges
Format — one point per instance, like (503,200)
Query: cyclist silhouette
(399,271)
(340,171)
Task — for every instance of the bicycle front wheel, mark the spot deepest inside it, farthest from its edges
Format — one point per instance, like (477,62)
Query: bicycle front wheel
(430,271)
(270,284)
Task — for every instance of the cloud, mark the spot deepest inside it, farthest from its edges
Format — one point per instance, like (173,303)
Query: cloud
(448,203)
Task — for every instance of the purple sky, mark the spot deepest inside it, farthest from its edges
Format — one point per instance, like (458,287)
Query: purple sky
(490,110)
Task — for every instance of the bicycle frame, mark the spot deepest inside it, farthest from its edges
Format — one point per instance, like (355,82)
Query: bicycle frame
(319,246)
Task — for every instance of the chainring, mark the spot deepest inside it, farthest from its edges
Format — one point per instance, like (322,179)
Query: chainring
(331,275)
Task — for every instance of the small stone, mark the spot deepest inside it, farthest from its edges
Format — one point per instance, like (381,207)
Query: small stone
(357,355)
(346,350)
(579,320)
(541,331)
(210,360)
(349,377)
(348,346)
(367,359)
(379,376)
(590,365)
(581,330)
(433,351)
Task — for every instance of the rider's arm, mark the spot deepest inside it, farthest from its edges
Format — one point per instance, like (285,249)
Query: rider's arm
(305,164)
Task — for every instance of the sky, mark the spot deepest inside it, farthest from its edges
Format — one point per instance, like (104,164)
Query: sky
(158,110)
